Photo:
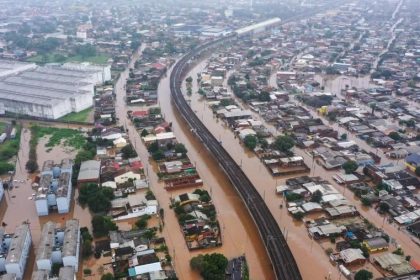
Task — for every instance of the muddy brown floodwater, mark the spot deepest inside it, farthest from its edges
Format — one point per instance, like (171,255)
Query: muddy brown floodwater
(317,266)
(239,233)
(21,206)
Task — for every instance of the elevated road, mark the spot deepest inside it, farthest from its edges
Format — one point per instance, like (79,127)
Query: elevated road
(283,262)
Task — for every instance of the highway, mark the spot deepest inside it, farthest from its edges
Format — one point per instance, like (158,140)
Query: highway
(282,260)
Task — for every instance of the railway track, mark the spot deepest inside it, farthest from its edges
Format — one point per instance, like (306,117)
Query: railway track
(282,260)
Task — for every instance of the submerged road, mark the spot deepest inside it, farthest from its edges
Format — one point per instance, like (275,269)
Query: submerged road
(282,260)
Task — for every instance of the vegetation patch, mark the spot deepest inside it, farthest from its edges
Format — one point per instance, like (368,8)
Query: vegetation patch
(210,266)
(8,149)
(82,116)
(97,198)
(68,137)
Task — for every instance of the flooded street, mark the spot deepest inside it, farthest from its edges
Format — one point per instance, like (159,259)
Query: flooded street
(239,234)
(21,206)
(301,245)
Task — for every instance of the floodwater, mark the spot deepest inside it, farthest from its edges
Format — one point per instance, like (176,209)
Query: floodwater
(239,233)
(318,266)
(21,207)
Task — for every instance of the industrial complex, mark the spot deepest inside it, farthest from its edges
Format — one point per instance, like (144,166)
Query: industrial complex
(49,92)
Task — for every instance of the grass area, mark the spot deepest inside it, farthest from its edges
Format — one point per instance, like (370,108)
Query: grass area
(55,58)
(8,149)
(97,59)
(2,127)
(81,116)
(69,137)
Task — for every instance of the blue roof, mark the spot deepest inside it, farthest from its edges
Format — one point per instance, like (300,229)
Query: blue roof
(413,158)
(132,272)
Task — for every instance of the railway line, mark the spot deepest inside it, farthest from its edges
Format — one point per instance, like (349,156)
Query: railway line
(282,260)
(281,257)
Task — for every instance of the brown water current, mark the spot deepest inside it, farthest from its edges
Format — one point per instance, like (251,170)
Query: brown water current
(311,258)
(238,231)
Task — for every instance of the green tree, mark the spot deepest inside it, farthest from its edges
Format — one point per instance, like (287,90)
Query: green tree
(142,222)
(366,201)
(102,225)
(363,275)
(417,171)
(264,96)
(154,147)
(144,133)
(210,266)
(298,215)
(350,166)
(107,276)
(31,166)
(158,155)
(250,141)
(128,152)
(6,167)
(87,249)
(97,198)
(189,80)
(180,149)
(55,269)
(316,196)
(85,50)
(284,143)
(395,136)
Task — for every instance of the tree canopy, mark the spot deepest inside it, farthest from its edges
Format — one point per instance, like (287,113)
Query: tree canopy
(97,198)
(363,275)
(102,225)
(284,143)
(210,266)
(350,166)
(250,141)
(84,51)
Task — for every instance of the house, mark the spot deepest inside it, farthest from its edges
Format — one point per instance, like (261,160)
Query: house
(89,172)
(163,139)
(127,176)
(144,269)
(412,161)
(376,244)
(415,228)
(352,256)
(394,263)
(16,248)
(326,230)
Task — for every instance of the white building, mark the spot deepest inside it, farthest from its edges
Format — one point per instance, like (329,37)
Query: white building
(50,91)
(55,187)
(18,247)
(59,245)
(71,245)
(47,244)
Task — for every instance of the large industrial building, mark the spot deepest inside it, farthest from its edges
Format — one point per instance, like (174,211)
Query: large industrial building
(59,246)
(55,187)
(49,92)
(14,251)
